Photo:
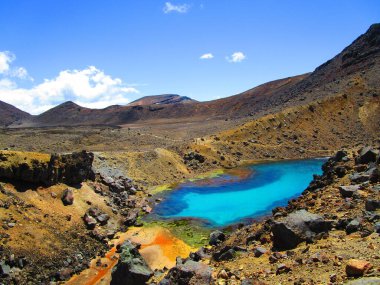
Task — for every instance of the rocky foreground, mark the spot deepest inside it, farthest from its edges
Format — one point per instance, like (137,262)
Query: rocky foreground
(58,213)
(329,235)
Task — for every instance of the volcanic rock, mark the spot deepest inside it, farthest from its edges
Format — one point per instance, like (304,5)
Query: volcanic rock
(67,197)
(131,267)
(216,237)
(297,227)
(357,267)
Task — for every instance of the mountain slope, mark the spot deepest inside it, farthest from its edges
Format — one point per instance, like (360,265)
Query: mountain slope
(161,100)
(356,67)
(10,114)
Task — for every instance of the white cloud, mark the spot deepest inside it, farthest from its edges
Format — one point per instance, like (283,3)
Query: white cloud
(236,57)
(207,56)
(6,58)
(89,87)
(169,7)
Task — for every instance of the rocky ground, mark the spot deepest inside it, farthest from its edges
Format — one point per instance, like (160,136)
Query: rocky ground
(58,213)
(329,235)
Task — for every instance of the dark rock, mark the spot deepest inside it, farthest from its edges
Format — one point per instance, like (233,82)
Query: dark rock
(89,221)
(259,251)
(199,254)
(377,227)
(67,197)
(297,227)
(216,237)
(225,253)
(374,175)
(188,272)
(64,274)
(367,155)
(339,155)
(71,169)
(131,267)
(340,171)
(359,177)
(5,269)
(131,218)
(282,268)
(103,219)
(372,205)
(348,191)
(353,226)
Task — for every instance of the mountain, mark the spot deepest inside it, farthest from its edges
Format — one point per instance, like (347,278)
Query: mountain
(161,100)
(10,114)
(355,68)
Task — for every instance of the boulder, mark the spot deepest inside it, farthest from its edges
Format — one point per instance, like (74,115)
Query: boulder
(339,155)
(188,272)
(372,205)
(89,221)
(357,267)
(297,227)
(359,177)
(67,197)
(367,155)
(131,267)
(259,251)
(131,218)
(5,269)
(353,226)
(103,219)
(348,191)
(216,237)
(225,253)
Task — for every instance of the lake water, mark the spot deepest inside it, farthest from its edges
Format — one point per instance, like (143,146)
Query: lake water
(229,199)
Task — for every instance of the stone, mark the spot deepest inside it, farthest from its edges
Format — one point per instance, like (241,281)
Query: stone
(103,219)
(225,253)
(216,237)
(357,267)
(374,175)
(71,169)
(372,205)
(131,218)
(339,155)
(67,197)
(348,191)
(188,272)
(259,251)
(359,177)
(353,226)
(89,221)
(297,227)
(131,267)
(64,274)
(282,268)
(223,274)
(5,269)
(367,155)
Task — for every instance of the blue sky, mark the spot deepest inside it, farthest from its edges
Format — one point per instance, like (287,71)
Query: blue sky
(98,52)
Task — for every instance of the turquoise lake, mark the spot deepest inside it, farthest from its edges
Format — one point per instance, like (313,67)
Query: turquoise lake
(228,199)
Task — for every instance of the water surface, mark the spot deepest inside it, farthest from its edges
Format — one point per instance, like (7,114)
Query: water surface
(226,200)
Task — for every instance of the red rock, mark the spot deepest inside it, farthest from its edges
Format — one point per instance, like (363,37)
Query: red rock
(357,267)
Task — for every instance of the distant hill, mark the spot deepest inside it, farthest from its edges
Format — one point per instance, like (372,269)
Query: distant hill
(161,100)
(10,114)
(356,66)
